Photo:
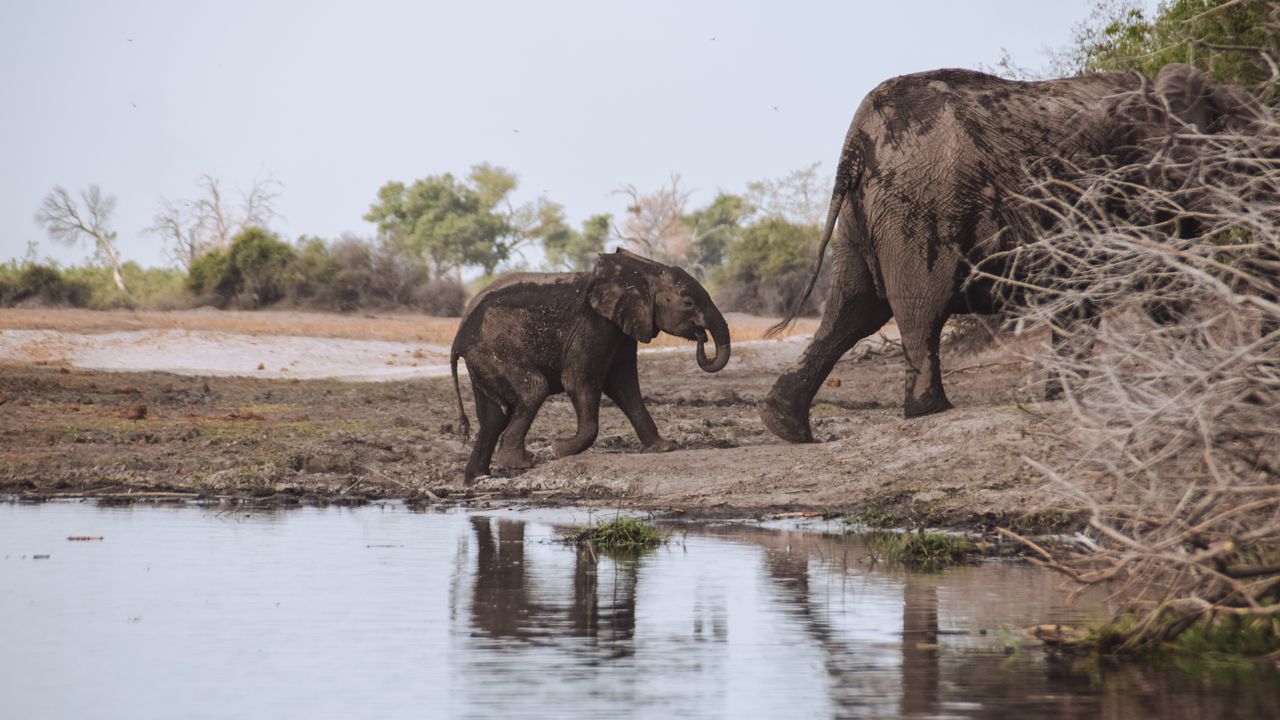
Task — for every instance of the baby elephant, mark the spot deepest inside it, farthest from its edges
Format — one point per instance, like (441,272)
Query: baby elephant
(530,335)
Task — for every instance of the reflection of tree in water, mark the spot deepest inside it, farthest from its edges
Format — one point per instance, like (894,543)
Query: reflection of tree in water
(506,603)
(1034,684)
(589,617)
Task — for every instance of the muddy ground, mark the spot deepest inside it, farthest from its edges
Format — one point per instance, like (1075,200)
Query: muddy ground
(121,437)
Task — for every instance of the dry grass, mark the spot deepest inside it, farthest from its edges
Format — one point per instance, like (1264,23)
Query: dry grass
(394,327)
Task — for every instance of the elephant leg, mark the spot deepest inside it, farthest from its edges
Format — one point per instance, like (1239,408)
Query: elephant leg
(1071,338)
(853,311)
(493,420)
(921,336)
(623,387)
(586,405)
(511,450)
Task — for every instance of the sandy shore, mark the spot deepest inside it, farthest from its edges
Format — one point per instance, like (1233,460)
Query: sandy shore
(205,429)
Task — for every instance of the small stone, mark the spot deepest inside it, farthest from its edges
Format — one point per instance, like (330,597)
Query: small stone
(137,412)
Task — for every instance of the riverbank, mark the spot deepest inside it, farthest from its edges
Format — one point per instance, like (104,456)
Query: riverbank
(122,436)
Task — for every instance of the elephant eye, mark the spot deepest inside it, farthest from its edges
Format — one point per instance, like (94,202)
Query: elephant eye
(687,302)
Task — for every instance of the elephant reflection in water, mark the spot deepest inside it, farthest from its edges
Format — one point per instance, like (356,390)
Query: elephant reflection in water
(503,606)
(786,560)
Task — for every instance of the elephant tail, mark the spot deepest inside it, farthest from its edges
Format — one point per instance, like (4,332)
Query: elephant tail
(848,175)
(463,424)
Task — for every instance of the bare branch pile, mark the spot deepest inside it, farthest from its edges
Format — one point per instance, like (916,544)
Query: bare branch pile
(1158,282)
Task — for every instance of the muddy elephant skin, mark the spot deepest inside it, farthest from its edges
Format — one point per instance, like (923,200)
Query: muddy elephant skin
(927,187)
(530,335)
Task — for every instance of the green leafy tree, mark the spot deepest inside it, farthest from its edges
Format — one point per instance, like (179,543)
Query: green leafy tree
(1234,41)
(767,267)
(714,227)
(442,220)
(574,250)
(255,271)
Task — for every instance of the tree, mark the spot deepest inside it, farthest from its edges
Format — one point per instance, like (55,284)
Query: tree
(654,225)
(801,197)
(455,224)
(1234,41)
(767,267)
(256,209)
(659,226)
(715,227)
(66,222)
(255,271)
(575,250)
(194,227)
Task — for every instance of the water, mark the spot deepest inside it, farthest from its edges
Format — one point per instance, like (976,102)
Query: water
(383,612)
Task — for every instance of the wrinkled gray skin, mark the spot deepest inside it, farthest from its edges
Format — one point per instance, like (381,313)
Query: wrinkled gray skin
(925,189)
(530,335)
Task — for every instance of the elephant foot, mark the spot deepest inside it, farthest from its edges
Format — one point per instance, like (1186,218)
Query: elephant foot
(931,403)
(784,421)
(514,459)
(571,446)
(660,445)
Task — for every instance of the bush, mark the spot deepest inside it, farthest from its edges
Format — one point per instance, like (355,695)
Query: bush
(315,272)
(441,298)
(156,288)
(396,273)
(768,268)
(263,264)
(210,276)
(256,271)
(34,283)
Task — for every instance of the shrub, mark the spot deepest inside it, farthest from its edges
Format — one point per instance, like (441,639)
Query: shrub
(768,268)
(262,264)
(256,271)
(315,271)
(441,298)
(210,276)
(42,285)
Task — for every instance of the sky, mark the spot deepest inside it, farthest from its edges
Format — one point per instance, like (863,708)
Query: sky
(336,99)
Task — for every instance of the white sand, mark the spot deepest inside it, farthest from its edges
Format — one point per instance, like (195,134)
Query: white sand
(210,352)
(203,352)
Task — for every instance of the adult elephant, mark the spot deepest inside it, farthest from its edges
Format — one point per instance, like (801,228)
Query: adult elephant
(927,186)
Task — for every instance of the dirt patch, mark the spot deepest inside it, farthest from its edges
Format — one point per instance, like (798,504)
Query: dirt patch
(73,432)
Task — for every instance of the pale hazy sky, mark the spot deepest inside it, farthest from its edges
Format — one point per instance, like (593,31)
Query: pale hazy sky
(336,99)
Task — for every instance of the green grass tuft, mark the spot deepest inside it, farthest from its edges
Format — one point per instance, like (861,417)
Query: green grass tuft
(922,550)
(620,533)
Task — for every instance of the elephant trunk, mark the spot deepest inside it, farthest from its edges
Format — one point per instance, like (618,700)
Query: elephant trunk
(720,333)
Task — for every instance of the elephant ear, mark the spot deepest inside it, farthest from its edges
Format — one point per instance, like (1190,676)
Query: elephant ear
(619,291)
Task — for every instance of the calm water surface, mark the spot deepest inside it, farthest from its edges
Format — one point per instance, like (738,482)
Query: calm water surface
(383,612)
